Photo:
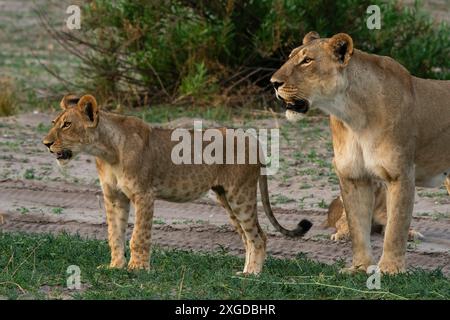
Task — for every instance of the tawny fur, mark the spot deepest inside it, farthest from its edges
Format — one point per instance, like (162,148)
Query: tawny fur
(134,165)
(386,124)
(337,218)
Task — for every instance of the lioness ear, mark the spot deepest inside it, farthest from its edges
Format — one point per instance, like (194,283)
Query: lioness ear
(310,36)
(341,45)
(88,106)
(69,100)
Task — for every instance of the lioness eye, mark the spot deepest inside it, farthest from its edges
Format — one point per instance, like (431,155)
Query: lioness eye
(306,60)
(66,124)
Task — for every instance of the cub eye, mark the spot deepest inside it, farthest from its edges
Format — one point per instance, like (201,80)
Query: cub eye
(306,60)
(66,124)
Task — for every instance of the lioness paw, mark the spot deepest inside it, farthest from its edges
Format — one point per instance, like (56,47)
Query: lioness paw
(353,270)
(391,267)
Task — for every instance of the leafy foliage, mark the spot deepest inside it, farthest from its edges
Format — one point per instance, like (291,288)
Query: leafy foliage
(167,51)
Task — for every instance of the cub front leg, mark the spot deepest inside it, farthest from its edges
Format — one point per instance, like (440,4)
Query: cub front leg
(358,199)
(342,230)
(141,238)
(117,211)
(400,203)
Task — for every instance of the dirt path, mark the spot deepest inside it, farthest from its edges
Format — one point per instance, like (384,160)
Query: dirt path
(199,226)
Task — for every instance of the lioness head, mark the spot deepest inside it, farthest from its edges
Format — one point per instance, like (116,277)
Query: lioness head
(73,129)
(313,72)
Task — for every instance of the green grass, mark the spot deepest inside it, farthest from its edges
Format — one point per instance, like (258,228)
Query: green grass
(30,174)
(57,210)
(12,145)
(36,266)
(221,114)
(43,128)
(281,199)
(23,210)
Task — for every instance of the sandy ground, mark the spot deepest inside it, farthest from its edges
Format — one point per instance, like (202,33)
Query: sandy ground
(37,196)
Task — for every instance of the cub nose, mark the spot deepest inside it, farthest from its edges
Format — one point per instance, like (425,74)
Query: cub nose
(277,84)
(48,144)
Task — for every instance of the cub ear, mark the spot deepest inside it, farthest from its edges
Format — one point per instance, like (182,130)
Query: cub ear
(341,46)
(69,100)
(310,36)
(88,106)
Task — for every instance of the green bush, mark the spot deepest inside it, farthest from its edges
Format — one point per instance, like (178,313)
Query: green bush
(156,51)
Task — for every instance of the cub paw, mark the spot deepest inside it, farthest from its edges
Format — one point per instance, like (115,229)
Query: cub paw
(339,236)
(247,273)
(113,265)
(414,235)
(138,265)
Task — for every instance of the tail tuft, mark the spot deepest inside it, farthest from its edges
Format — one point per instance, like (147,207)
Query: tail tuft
(305,225)
(302,228)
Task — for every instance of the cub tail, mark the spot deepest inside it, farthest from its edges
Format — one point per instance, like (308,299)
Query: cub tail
(302,227)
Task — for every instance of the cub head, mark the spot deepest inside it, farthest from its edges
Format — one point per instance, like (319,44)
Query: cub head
(73,130)
(313,72)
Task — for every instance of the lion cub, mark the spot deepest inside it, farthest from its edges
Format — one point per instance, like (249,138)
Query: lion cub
(134,164)
(337,218)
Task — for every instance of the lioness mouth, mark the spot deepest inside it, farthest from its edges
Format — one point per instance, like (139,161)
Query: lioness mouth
(300,106)
(64,155)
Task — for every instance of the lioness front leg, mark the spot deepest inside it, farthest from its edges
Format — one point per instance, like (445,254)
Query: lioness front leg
(358,199)
(141,237)
(400,202)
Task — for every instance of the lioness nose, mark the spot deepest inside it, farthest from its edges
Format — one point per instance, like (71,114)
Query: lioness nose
(277,84)
(48,144)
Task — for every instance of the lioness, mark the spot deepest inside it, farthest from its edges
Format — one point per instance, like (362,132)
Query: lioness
(386,124)
(134,164)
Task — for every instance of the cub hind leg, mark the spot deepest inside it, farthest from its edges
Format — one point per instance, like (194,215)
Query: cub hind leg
(220,193)
(242,201)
